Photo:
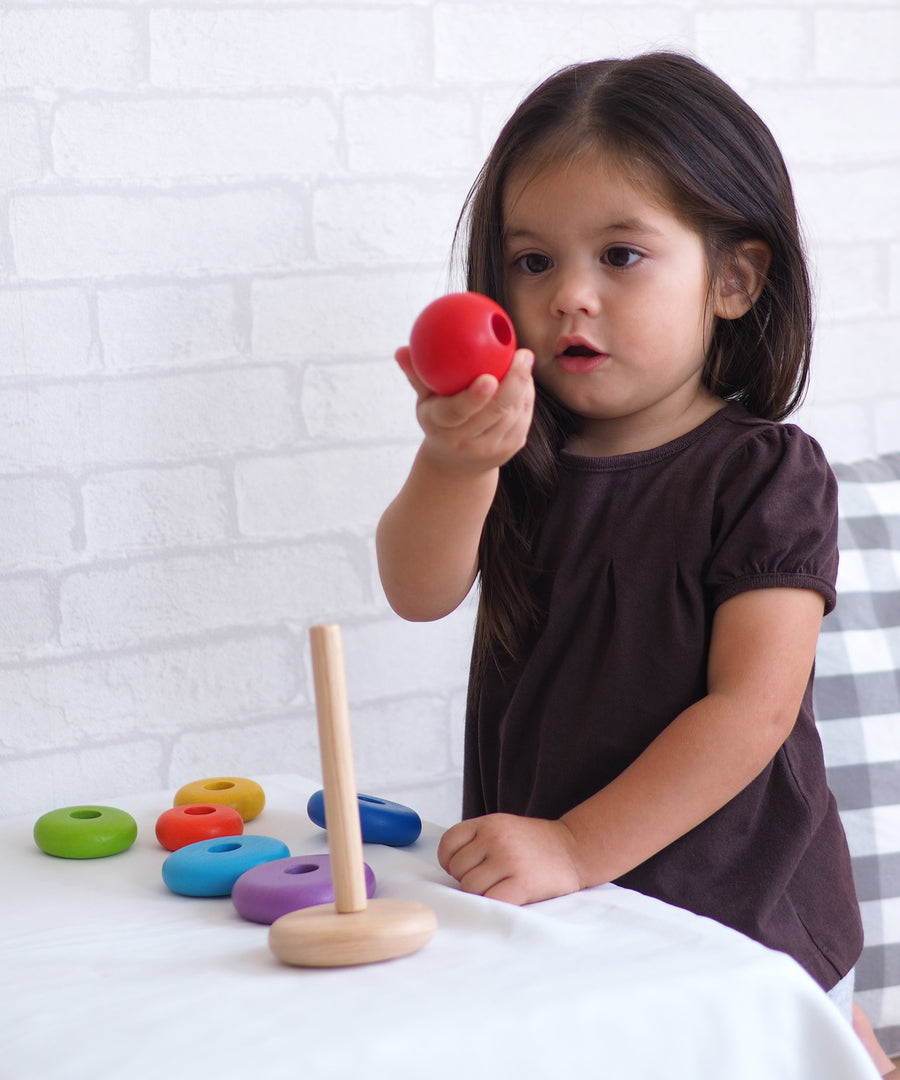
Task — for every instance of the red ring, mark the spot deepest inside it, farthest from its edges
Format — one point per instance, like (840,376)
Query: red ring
(182,825)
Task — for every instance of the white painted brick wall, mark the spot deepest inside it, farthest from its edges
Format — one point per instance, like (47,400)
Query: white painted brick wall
(217,223)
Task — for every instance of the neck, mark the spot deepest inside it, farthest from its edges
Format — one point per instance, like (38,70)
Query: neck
(613,438)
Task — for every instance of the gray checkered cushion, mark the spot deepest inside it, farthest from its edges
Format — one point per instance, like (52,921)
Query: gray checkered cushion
(857,701)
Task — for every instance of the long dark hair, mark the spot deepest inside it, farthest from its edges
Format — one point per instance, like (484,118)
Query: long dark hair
(687,136)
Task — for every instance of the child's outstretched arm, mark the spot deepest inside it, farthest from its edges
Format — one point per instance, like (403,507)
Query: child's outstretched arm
(427,539)
(761,654)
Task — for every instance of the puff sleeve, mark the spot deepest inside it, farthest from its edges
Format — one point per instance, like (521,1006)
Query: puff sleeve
(775,518)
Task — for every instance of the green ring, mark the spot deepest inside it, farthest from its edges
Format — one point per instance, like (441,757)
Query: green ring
(85,832)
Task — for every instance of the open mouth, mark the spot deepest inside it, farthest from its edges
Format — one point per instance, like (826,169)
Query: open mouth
(579,357)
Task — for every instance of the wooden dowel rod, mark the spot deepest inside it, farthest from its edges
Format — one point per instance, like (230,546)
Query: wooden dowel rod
(335,747)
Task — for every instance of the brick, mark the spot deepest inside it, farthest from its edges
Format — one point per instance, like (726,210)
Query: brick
(887,425)
(20,141)
(822,124)
(384,222)
(457,729)
(397,741)
(40,518)
(254,48)
(288,743)
(894,278)
(854,356)
(862,292)
(92,774)
(27,620)
(46,332)
(390,657)
(103,235)
(356,401)
(137,421)
(723,41)
(421,134)
(218,138)
(496,105)
(151,327)
(436,799)
(318,491)
(850,205)
(843,429)
(154,509)
(79,48)
(468,37)
(69,702)
(108,607)
(858,45)
(339,314)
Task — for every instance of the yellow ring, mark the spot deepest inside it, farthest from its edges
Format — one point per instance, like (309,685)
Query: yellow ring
(245,796)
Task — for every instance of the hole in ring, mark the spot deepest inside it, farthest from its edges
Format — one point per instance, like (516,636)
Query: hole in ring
(85,815)
(196,811)
(219,785)
(301,868)
(501,328)
(217,849)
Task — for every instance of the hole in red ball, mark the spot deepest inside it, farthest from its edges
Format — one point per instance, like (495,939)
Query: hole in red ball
(197,810)
(502,329)
(217,849)
(301,868)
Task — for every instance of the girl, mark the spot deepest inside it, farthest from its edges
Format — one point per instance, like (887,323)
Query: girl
(655,550)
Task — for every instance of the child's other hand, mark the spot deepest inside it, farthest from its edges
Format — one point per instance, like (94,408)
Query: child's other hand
(481,427)
(506,857)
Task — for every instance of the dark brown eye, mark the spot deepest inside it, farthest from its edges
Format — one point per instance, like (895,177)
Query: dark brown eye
(532,263)
(621,257)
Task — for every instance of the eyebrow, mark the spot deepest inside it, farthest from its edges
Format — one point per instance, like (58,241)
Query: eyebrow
(626,225)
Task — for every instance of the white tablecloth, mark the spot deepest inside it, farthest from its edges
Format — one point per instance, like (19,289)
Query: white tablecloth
(106,975)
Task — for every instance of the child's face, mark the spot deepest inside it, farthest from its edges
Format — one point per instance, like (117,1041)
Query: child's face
(610,290)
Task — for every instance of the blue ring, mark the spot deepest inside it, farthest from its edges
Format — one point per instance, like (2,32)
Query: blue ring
(381,821)
(211,867)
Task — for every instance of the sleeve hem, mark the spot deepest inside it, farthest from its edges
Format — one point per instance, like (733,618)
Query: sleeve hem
(777,581)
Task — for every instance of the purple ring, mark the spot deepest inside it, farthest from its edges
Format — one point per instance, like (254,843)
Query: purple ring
(266,892)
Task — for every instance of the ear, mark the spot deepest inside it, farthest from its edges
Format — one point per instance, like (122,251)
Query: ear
(742,279)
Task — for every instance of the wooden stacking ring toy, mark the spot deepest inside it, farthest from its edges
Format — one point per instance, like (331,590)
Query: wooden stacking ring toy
(85,832)
(211,867)
(245,796)
(183,825)
(381,821)
(272,889)
(350,930)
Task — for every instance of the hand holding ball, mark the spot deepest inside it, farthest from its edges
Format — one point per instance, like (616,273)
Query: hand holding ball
(459,337)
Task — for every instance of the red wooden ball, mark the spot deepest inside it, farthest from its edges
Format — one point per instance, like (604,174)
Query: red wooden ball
(459,337)
(183,825)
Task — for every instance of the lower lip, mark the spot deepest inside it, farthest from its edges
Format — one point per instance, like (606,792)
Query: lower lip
(581,365)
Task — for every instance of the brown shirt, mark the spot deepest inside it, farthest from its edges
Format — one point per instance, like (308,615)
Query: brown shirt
(634,557)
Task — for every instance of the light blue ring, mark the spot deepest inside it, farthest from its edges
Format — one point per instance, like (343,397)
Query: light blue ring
(211,867)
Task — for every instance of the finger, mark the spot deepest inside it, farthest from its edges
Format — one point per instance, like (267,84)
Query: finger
(487,404)
(456,837)
(509,890)
(461,417)
(483,880)
(467,860)
(404,362)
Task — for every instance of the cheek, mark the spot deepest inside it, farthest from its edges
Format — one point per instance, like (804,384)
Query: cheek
(524,321)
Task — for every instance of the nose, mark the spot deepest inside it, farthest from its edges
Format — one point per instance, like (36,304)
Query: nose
(576,293)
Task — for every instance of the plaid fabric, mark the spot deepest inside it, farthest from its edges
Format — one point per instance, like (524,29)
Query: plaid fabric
(857,700)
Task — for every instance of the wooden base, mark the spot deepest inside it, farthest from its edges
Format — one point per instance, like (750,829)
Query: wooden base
(324,937)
